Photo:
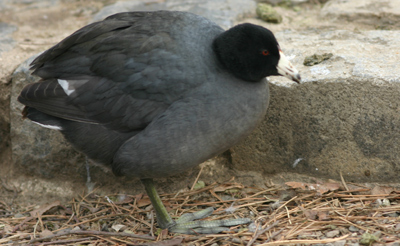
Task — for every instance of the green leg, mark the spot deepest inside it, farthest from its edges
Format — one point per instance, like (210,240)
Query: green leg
(163,218)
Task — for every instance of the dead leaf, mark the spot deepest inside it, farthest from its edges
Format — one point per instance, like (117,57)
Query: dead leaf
(46,233)
(382,190)
(44,208)
(296,185)
(143,202)
(139,196)
(323,215)
(126,200)
(118,227)
(314,214)
(332,186)
(310,214)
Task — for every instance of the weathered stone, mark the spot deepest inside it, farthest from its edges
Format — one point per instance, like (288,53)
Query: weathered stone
(381,14)
(36,150)
(222,12)
(6,44)
(332,233)
(342,118)
(353,228)
(6,40)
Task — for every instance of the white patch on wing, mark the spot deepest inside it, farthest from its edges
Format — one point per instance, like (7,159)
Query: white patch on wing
(48,126)
(65,85)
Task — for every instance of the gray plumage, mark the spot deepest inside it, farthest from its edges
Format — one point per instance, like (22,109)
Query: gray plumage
(154,93)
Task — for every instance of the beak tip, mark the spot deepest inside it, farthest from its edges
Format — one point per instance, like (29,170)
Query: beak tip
(297,78)
(285,68)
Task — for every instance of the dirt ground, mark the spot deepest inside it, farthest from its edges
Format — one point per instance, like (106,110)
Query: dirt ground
(42,25)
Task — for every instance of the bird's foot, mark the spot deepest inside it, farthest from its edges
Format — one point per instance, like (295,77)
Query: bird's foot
(186,224)
(190,224)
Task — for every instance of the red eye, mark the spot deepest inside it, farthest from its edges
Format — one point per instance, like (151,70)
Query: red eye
(265,52)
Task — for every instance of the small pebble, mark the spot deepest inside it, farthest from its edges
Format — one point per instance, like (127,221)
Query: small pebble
(339,243)
(353,228)
(385,202)
(333,233)
(236,240)
(394,214)
(19,215)
(76,228)
(377,234)
(343,230)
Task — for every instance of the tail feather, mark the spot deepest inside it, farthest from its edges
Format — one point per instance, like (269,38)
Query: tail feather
(42,89)
(42,119)
(48,97)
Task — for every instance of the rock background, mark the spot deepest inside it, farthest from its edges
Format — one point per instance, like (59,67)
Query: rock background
(342,120)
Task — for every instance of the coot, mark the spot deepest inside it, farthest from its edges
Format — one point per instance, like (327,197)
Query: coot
(153,94)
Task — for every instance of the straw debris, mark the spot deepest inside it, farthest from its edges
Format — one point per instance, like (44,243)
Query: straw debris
(292,214)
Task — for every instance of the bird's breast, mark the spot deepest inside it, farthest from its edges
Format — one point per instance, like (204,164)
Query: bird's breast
(193,130)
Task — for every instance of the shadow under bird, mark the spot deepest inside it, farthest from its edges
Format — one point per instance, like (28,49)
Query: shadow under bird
(152,94)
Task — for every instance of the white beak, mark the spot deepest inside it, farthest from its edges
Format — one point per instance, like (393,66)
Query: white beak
(285,68)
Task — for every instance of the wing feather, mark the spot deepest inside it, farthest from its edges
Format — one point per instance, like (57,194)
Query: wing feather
(121,72)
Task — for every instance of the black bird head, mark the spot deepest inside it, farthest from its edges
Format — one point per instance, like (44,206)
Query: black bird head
(251,53)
